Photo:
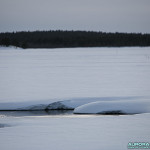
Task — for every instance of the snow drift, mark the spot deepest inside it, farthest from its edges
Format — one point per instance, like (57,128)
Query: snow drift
(57,104)
(114,107)
(46,79)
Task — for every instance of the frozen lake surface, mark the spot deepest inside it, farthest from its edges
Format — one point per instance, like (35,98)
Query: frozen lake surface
(73,131)
(63,74)
(74,78)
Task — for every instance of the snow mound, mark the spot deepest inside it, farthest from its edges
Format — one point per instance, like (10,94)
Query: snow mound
(114,107)
(58,106)
(72,103)
(37,105)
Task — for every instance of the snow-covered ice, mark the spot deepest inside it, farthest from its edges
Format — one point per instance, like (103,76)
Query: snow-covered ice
(73,132)
(84,79)
(36,78)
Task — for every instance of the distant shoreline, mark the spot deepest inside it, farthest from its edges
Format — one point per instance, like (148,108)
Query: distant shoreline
(72,39)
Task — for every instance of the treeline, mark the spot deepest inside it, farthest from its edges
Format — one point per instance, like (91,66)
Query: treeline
(60,39)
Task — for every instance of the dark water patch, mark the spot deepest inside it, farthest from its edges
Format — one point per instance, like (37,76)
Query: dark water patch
(4,125)
(35,113)
(112,112)
(117,112)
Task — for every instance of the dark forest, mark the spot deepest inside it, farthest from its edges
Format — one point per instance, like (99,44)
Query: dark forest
(64,39)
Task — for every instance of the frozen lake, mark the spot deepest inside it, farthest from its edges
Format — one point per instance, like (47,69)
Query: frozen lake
(73,131)
(48,74)
(37,78)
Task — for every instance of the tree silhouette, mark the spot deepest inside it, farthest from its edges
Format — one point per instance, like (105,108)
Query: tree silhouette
(58,39)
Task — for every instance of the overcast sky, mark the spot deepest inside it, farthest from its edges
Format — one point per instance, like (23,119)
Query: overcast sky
(97,15)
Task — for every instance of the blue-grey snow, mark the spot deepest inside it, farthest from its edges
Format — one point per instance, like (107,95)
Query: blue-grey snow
(39,79)
(88,80)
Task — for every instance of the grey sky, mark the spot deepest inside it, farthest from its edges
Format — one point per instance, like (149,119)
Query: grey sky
(97,15)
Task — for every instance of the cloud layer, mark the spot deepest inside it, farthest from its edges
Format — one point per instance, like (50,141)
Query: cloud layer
(98,15)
